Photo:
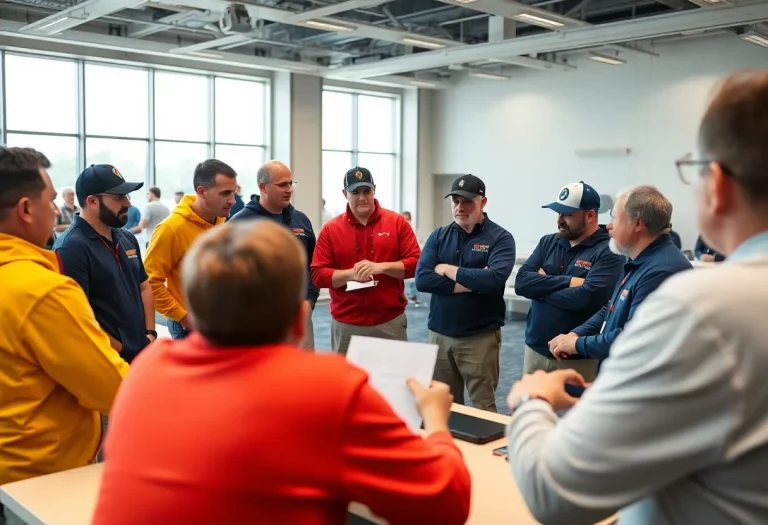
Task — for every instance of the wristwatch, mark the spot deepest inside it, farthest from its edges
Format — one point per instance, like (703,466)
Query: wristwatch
(523,399)
(151,332)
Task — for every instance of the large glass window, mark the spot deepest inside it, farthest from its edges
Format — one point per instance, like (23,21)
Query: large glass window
(153,125)
(360,130)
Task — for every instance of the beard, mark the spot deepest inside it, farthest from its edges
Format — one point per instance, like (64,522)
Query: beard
(572,234)
(615,248)
(111,219)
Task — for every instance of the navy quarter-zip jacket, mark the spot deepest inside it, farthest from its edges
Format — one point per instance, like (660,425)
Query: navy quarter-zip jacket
(292,219)
(485,259)
(555,307)
(642,276)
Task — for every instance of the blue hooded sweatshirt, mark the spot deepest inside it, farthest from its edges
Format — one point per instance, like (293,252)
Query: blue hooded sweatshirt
(555,307)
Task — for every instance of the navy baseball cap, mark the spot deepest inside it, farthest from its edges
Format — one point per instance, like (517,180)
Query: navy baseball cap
(103,178)
(574,197)
(358,177)
(467,186)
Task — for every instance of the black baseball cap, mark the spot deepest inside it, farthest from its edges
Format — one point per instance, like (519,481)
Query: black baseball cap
(467,186)
(357,177)
(103,178)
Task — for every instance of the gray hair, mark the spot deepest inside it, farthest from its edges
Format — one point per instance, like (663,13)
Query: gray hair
(263,176)
(651,206)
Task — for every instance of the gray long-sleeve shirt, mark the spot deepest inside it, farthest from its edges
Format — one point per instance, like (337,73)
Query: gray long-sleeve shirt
(675,429)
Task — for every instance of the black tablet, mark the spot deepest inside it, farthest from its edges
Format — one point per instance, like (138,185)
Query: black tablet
(474,429)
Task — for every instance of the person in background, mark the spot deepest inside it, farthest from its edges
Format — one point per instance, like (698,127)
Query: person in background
(67,211)
(638,230)
(568,278)
(52,239)
(239,204)
(366,244)
(327,216)
(465,266)
(365,453)
(674,429)
(105,260)
(704,253)
(57,369)
(133,220)
(178,196)
(154,213)
(215,184)
(674,237)
(411,293)
(276,186)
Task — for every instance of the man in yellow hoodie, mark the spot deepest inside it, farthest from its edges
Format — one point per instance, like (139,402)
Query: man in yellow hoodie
(215,187)
(57,368)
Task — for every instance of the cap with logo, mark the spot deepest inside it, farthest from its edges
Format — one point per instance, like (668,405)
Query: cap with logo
(574,197)
(358,177)
(103,178)
(467,186)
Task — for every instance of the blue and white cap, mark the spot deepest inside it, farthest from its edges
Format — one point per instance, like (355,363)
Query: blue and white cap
(574,197)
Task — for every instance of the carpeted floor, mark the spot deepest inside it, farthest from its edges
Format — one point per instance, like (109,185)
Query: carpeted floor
(513,341)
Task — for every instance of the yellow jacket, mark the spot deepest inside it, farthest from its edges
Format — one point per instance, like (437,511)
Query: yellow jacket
(170,241)
(57,369)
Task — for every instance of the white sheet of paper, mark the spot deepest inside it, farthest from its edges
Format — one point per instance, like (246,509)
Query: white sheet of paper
(389,365)
(355,285)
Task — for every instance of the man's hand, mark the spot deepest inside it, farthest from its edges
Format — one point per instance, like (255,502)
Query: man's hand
(114,343)
(541,271)
(707,257)
(433,404)
(549,386)
(186,323)
(364,270)
(563,346)
(310,304)
(576,281)
(441,268)
(151,338)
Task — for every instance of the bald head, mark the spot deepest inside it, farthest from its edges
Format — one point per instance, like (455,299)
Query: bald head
(270,169)
(245,282)
(275,186)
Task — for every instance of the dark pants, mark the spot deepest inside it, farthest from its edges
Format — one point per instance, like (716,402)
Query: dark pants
(176,330)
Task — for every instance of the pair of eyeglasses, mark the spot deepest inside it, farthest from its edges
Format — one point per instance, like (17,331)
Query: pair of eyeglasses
(116,198)
(286,185)
(688,168)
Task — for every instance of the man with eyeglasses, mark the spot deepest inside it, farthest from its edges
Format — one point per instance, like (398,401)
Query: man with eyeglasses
(105,260)
(276,186)
(674,429)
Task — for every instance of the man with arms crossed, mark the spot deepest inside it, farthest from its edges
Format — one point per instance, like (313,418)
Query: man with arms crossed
(371,246)
(240,387)
(675,428)
(215,184)
(639,230)
(465,266)
(568,278)
(57,369)
(274,202)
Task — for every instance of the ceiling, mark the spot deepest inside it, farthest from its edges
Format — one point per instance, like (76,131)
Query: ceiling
(419,42)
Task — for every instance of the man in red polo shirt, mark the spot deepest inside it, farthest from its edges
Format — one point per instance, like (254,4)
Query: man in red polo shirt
(261,431)
(363,256)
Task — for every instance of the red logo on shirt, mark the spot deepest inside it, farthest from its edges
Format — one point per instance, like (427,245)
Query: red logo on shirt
(584,264)
(480,248)
(299,231)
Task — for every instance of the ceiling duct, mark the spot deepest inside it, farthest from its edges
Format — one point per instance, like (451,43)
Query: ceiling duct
(236,19)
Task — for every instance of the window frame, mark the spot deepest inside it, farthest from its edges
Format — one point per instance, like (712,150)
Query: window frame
(396,140)
(150,177)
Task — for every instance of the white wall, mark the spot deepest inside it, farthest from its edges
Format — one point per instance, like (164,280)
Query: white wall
(519,136)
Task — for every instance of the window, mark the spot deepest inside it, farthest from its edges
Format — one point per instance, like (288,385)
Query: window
(175,166)
(40,94)
(128,156)
(61,151)
(245,160)
(239,112)
(116,101)
(181,107)
(360,130)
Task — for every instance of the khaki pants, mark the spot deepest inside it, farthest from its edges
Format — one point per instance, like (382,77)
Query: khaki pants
(534,361)
(473,361)
(341,333)
(308,342)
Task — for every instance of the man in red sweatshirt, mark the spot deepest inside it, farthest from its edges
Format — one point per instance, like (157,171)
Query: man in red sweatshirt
(260,430)
(363,256)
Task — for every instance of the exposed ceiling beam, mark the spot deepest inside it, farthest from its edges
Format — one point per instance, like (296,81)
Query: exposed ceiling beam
(140,30)
(533,63)
(579,38)
(78,14)
(345,27)
(333,9)
(237,38)
(512,9)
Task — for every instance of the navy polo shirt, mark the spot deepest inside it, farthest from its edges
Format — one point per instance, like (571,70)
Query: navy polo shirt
(110,272)
(658,261)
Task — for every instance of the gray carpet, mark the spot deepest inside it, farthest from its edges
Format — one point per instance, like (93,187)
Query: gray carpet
(513,342)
